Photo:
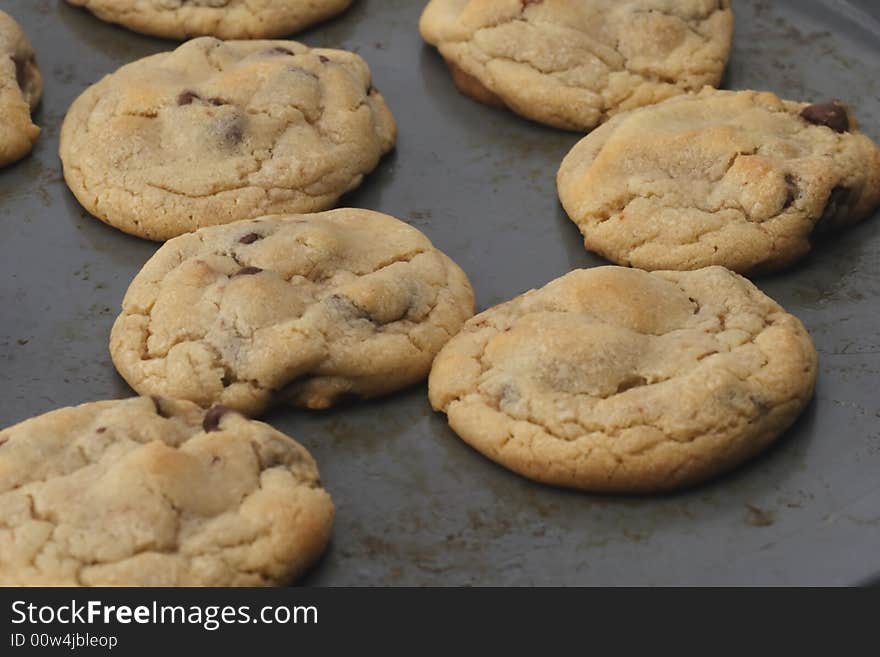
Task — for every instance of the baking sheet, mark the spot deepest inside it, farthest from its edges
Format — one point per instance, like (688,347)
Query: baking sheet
(415,504)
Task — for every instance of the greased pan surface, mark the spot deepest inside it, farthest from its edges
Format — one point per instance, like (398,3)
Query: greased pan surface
(415,504)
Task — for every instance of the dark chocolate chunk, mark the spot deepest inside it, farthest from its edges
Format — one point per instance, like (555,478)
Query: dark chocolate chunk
(835,209)
(157,402)
(832,115)
(250,238)
(187,97)
(246,271)
(212,418)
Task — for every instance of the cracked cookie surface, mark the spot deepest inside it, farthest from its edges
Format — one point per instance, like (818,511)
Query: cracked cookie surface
(619,380)
(21,86)
(224,19)
(153,492)
(301,309)
(214,132)
(741,179)
(573,64)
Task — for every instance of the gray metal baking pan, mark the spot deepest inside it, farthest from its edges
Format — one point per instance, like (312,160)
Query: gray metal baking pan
(416,506)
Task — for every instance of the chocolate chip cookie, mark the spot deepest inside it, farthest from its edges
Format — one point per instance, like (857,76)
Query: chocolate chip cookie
(21,86)
(734,178)
(154,492)
(224,19)
(573,64)
(305,309)
(214,132)
(615,379)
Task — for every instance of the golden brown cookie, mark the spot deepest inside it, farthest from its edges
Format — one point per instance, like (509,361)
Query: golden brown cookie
(154,492)
(573,64)
(224,19)
(214,132)
(301,309)
(734,178)
(21,86)
(616,379)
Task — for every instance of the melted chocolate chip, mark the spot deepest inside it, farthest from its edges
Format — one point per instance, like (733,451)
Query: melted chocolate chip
(792,191)
(233,133)
(832,115)
(228,129)
(835,209)
(100,429)
(187,98)
(250,238)
(157,402)
(212,418)
(246,271)
(278,50)
(323,59)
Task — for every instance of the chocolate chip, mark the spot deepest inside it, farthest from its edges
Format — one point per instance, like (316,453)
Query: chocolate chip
(246,271)
(323,59)
(372,90)
(217,102)
(792,191)
(278,50)
(187,97)
(250,238)
(835,209)
(526,3)
(832,115)
(228,129)
(100,429)
(212,418)
(215,460)
(157,402)
(233,133)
